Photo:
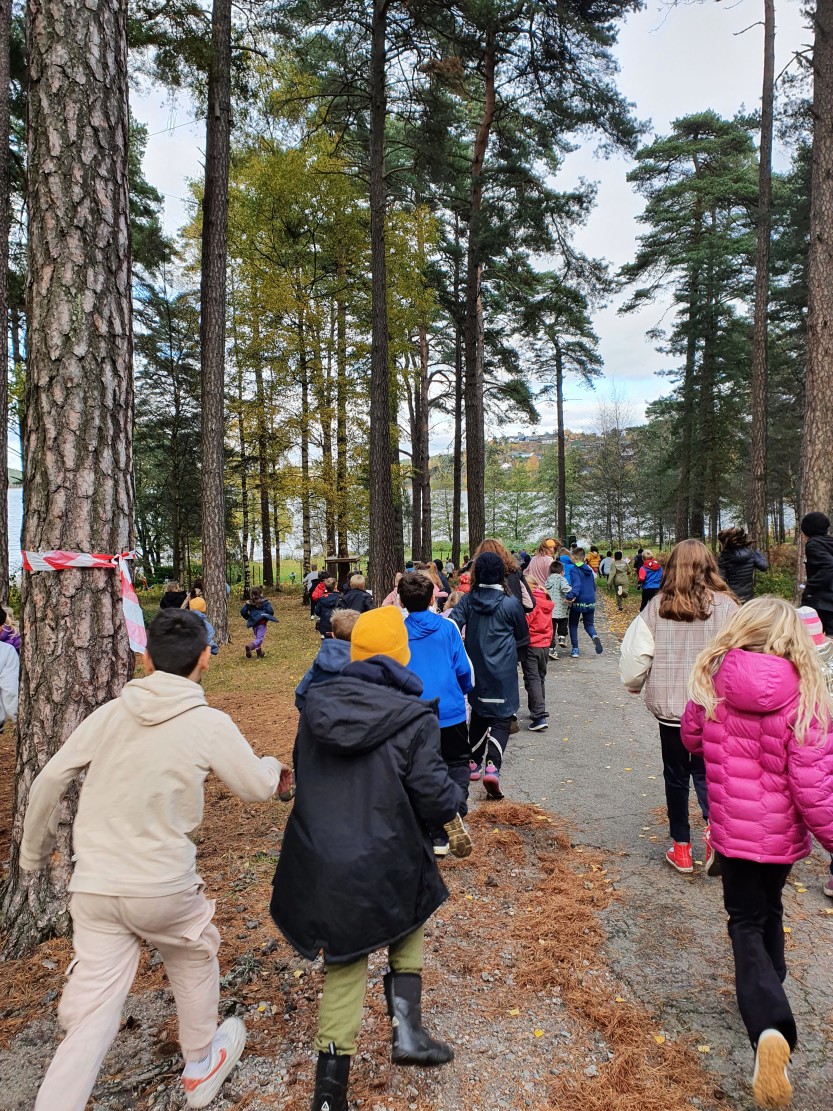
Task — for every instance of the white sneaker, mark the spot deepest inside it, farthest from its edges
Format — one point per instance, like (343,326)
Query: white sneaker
(226,1048)
(771,1086)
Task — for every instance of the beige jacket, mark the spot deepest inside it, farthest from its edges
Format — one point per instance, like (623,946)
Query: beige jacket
(147,755)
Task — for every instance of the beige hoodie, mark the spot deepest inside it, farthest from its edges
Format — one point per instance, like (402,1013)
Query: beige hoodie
(147,755)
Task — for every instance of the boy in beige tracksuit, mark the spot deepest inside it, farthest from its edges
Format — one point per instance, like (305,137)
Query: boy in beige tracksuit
(146,755)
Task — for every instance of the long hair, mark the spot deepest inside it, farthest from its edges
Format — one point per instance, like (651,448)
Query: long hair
(690,582)
(548,544)
(490,544)
(733,538)
(771,626)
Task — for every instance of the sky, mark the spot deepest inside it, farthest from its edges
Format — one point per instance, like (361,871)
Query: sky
(674,60)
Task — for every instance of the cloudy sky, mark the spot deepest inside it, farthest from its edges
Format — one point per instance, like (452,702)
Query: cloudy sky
(674,60)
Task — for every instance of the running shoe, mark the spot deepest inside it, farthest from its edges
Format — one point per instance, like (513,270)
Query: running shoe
(770,1083)
(574,653)
(597,641)
(491,781)
(679,857)
(711,864)
(475,771)
(226,1047)
(537,724)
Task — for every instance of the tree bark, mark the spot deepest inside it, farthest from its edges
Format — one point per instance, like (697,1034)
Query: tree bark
(562,442)
(757,504)
(306,529)
(77,448)
(263,465)
(382,518)
(5,224)
(475,430)
(457,462)
(341,413)
(213,318)
(423,432)
(816,472)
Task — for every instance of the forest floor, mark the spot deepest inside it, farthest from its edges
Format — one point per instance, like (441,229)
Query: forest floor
(547,968)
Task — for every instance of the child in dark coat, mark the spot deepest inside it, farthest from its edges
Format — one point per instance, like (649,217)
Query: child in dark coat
(258,613)
(583,596)
(357,870)
(326,606)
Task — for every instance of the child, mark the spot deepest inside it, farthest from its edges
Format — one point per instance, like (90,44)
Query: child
(258,613)
(496,628)
(760,714)
(605,565)
(535,655)
(439,659)
(594,560)
(454,597)
(583,597)
(147,755)
(317,593)
(818,559)
(618,579)
(333,655)
(649,576)
(357,597)
(558,588)
(357,871)
(326,606)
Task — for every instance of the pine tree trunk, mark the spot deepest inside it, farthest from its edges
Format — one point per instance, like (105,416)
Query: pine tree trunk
(423,432)
(77,448)
(562,443)
(341,415)
(213,318)
(263,465)
(5,223)
(306,528)
(816,471)
(757,506)
(382,518)
(475,420)
(457,461)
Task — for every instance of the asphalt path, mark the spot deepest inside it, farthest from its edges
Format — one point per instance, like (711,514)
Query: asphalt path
(599,766)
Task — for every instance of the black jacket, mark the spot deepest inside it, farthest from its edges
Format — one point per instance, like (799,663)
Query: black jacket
(357,869)
(737,567)
(818,557)
(517,590)
(172,600)
(496,628)
(324,608)
(358,600)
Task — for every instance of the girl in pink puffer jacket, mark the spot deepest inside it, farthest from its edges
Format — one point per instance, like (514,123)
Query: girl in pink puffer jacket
(760,715)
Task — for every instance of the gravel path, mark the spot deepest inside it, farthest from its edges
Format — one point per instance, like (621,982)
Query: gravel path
(599,767)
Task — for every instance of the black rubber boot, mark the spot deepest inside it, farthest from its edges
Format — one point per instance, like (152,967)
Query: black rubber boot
(331,1076)
(411,1044)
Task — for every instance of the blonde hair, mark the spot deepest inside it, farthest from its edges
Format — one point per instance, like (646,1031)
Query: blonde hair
(357,581)
(342,622)
(454,597)
(771,626)
(647,553)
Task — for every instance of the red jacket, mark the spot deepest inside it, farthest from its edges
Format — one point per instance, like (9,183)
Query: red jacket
(540,619)
(319,591)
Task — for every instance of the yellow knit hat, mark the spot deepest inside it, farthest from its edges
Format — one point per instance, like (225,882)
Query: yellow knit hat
(381,632)
(197,604)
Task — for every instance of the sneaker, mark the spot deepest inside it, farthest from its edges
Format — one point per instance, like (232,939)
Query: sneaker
(475,771)
(441,847)
(537,724)
(770,1083)
(248,652)
(553,654)
(679,857)
(226,1048)
(597,641)
(711,864)
(261,655)
(491,781)
(828,887)
(562,642)
(458,838)
(574,653)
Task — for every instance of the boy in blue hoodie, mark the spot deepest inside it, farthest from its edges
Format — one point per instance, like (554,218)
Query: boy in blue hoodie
(333,655)
(439,658)
(583,597)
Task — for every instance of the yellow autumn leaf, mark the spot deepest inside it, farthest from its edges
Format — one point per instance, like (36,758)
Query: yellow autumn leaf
(620,999)
(469,896)
(800,890)
(628,769)
(298,973)
(704,1049)
(788,929)
(515,1012)
(659,1039)
(539,1033)
(829,910)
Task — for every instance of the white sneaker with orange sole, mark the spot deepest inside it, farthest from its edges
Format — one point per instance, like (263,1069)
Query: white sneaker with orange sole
(226,1048)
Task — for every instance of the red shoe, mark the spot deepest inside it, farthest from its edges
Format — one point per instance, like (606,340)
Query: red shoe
(711,862)
(679,857)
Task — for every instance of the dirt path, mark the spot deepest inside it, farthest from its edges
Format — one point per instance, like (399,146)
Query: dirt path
(599,767)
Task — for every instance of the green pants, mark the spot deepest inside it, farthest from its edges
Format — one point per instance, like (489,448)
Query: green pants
(340,1013)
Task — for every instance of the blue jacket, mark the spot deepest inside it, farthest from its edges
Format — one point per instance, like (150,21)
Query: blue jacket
(653,575)
(496,628)
(439,658)
(255,614)
(569,567)
(333,655)
(582,586)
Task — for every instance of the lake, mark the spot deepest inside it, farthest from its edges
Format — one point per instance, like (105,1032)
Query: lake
(15,510)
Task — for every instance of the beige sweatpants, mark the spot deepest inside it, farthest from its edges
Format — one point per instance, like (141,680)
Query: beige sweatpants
(107,935)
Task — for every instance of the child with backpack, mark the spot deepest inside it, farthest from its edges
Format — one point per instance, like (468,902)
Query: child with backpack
(583,597)
(558,587)
(258,612)
(649,576)
(534,657)
(146,756)
(760,715)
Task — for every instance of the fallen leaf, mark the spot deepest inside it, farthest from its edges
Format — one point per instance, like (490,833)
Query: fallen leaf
(298,973)
(704,1049)
(628,769)
(469,896)
(539,1033)
(620,999)
(659,1039)
(515,1012)
(788,929)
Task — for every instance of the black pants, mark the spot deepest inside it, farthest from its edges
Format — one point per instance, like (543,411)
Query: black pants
(488,737)
(678,766)
(826,617)
(534,666)
(752,897)
(647,595)
(559,629)
(454,745)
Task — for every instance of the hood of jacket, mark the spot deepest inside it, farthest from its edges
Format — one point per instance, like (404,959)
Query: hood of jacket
(161,697)
(424,624)
(485,599)
(651,564)
(822,545)
(333,655)
(350,714)
(751,682)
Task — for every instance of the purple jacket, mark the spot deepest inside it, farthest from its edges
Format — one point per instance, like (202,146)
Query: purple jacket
(10,635)
(767,793)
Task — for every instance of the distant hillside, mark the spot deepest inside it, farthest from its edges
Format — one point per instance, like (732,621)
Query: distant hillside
(15,477)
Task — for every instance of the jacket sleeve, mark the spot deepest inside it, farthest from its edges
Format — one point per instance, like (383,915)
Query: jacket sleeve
(462,664)
(44,810)
(252,778)
(245,611)
(460,613)
(691,728)
(521,626)
(637,655)
(810,775)
(760,560)
(303,687)
(642,574)
(435,797)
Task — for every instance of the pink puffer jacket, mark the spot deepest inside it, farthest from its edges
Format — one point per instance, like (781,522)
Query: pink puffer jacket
(767,793)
